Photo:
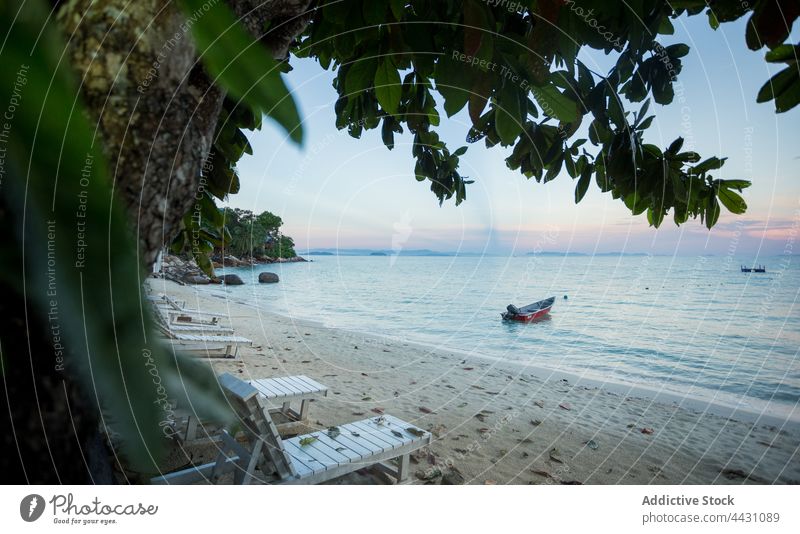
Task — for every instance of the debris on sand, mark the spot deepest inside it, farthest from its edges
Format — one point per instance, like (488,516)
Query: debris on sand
(555,455)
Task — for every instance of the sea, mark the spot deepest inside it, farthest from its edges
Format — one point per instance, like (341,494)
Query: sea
(686,327)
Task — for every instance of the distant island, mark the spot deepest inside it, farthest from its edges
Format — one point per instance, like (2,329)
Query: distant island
(384,252)
(435,253)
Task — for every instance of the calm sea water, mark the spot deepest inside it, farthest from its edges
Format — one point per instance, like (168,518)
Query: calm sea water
(693,326)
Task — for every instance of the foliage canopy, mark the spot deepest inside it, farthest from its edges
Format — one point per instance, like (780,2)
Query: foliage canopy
(517,72)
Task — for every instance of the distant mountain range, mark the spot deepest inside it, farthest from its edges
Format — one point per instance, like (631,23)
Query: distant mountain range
(564,253)
(434,253)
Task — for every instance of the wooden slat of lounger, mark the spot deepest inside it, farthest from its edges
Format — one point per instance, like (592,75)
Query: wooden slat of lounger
(358,445)
(213,329)
(289,382)
(298,455)
(280,388)
(338,456)
(366,433)
(316,386)
(292,388)
(274,388)
(388,429)
(373,430)
(346,450)
(385,432)
(307,453)
(211,339)
(375,446)
(402,426)
(302,385)
(300,467)
(266,388)
(324,457)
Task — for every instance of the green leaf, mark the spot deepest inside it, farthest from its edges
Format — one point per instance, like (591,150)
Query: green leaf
(508,115)
(712,20)
(583,183)
(675,146)
(732,201)
(736,184)
(645,124)
(242,65)
(555,104)
(398,8)
(776,85)
(478,98)
(790,97)
(452,81)
(677,50)
(387,133)
(784,52)
(387,86)
(712,163)
(210,211)
(712,211)
(360,76)
(374,11)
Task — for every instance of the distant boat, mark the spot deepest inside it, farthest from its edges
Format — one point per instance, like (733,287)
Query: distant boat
(756,269)
(529,313)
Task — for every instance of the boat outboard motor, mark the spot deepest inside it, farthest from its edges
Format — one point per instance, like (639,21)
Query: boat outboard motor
(513,310)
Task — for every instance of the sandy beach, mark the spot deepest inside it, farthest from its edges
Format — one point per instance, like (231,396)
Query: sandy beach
(498,422)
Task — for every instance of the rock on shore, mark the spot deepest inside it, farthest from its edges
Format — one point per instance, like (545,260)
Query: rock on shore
(268,278)
(187,272)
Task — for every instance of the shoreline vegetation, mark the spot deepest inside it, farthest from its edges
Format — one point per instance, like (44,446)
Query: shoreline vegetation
(497,422)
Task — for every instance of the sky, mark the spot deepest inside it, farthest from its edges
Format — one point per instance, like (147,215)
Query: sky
(340,192)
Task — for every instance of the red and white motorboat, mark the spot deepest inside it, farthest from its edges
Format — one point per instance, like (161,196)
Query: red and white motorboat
(529,313)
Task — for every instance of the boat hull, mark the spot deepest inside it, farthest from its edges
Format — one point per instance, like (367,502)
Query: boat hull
(526,317)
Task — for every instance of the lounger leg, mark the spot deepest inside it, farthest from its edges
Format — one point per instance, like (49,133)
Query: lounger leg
(403,465)
(304,410)
(218,467)
(251,465)
(191,429)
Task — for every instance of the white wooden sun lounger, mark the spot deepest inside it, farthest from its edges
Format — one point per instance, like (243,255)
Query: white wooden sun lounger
(175,312)
(204,340)
(282,391)
(178,313)
(208,329)
(208,343)
(265,457)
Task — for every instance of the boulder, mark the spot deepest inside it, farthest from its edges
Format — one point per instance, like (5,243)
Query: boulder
(196,279)
(231,280)
(268,278)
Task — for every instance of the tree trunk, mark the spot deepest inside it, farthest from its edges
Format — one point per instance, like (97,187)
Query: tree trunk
(155,107)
